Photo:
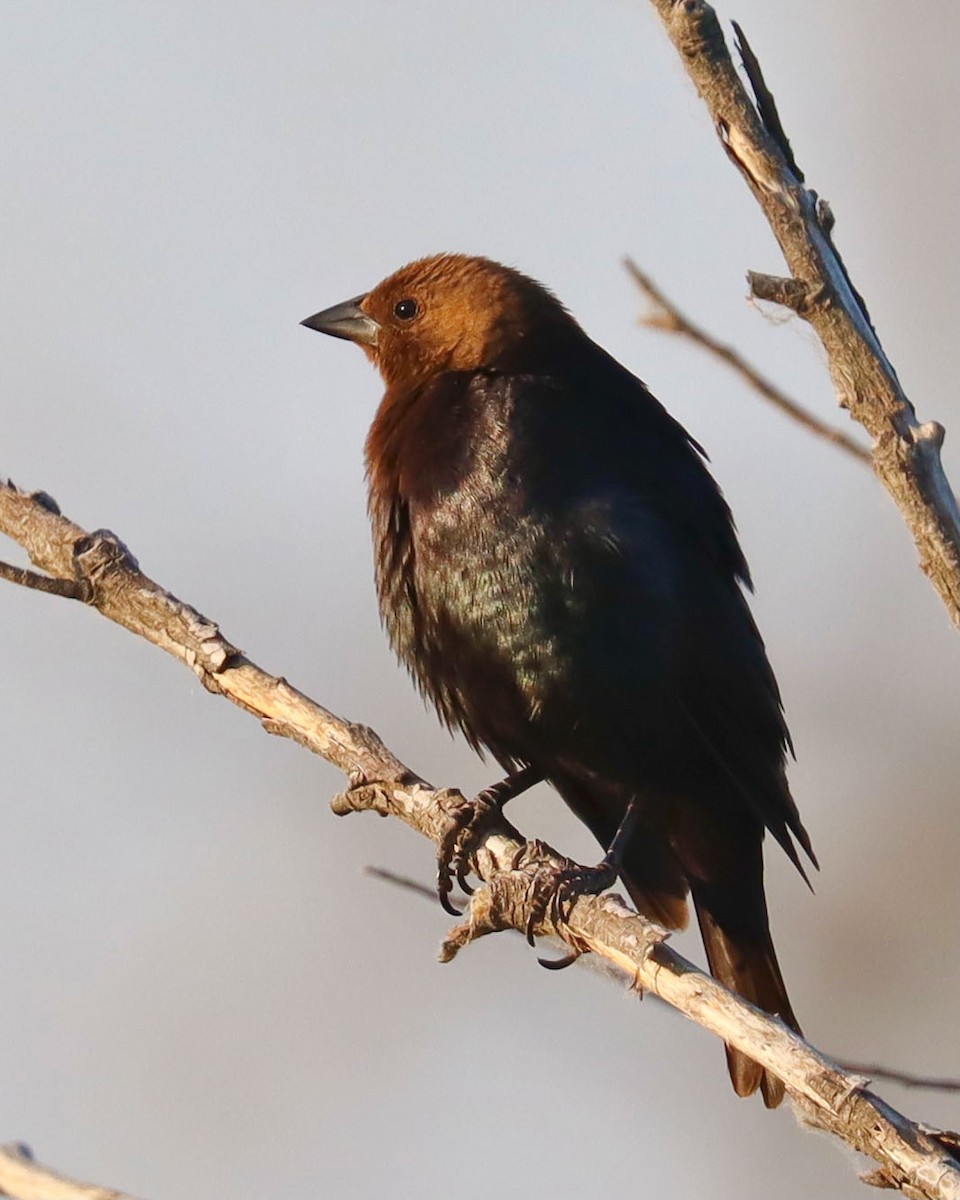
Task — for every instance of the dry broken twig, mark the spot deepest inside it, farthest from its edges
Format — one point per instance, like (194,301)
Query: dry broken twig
(666,317)
(107,577)
(906,453)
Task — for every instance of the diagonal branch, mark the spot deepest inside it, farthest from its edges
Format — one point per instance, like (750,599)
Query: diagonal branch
(669,319)
(513,871)
(872,1071)
(24,1179)
(906,453)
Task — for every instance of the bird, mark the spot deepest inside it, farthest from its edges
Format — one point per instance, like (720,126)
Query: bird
(562,576)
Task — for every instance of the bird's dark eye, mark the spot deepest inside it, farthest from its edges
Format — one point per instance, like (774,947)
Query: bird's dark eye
(406,310)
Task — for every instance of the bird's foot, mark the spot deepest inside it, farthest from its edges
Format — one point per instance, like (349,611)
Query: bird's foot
(515,897)
(469,821)
(558,890)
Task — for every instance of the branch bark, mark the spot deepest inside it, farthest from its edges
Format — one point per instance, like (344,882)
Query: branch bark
(514,872)
(25,1179)
(906,453)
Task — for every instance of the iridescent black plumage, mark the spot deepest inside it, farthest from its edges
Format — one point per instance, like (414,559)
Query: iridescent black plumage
(561,574)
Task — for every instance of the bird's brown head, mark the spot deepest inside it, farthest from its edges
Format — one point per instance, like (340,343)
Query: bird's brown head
(450,312)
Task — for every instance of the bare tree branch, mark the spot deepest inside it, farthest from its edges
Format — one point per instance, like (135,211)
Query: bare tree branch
(869,1071)
(906,453)
(24,1179)
(666,317)
(514,872)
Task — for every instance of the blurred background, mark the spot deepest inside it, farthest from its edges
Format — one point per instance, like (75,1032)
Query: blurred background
(203,993)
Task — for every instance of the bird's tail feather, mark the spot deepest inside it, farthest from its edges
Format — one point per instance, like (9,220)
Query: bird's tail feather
(721,863)
(745,962)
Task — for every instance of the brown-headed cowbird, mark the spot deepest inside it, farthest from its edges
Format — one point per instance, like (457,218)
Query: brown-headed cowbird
(561,574)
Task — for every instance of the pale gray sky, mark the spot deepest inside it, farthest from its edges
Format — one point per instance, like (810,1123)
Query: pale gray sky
(203,995)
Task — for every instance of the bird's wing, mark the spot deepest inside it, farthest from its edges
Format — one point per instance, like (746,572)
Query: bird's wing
(675,654)
(643,543)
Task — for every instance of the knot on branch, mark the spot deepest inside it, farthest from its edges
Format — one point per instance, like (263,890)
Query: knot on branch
(45,500)
(395,798)
(697,29)
(794,294)
(824,212)
(97,555)
(209,653)
(363,797)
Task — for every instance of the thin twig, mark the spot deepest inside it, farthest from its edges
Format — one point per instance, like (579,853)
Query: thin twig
(669,319)
(907,1078)
(71,589)
(514,872)
(402,881)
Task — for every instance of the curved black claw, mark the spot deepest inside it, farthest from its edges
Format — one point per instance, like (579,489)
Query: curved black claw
(560,964)
(469,821)
(465,833)
(443,894)
(556,896)
(579,881)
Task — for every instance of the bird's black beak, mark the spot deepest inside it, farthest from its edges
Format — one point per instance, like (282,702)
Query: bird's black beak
(347,320)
